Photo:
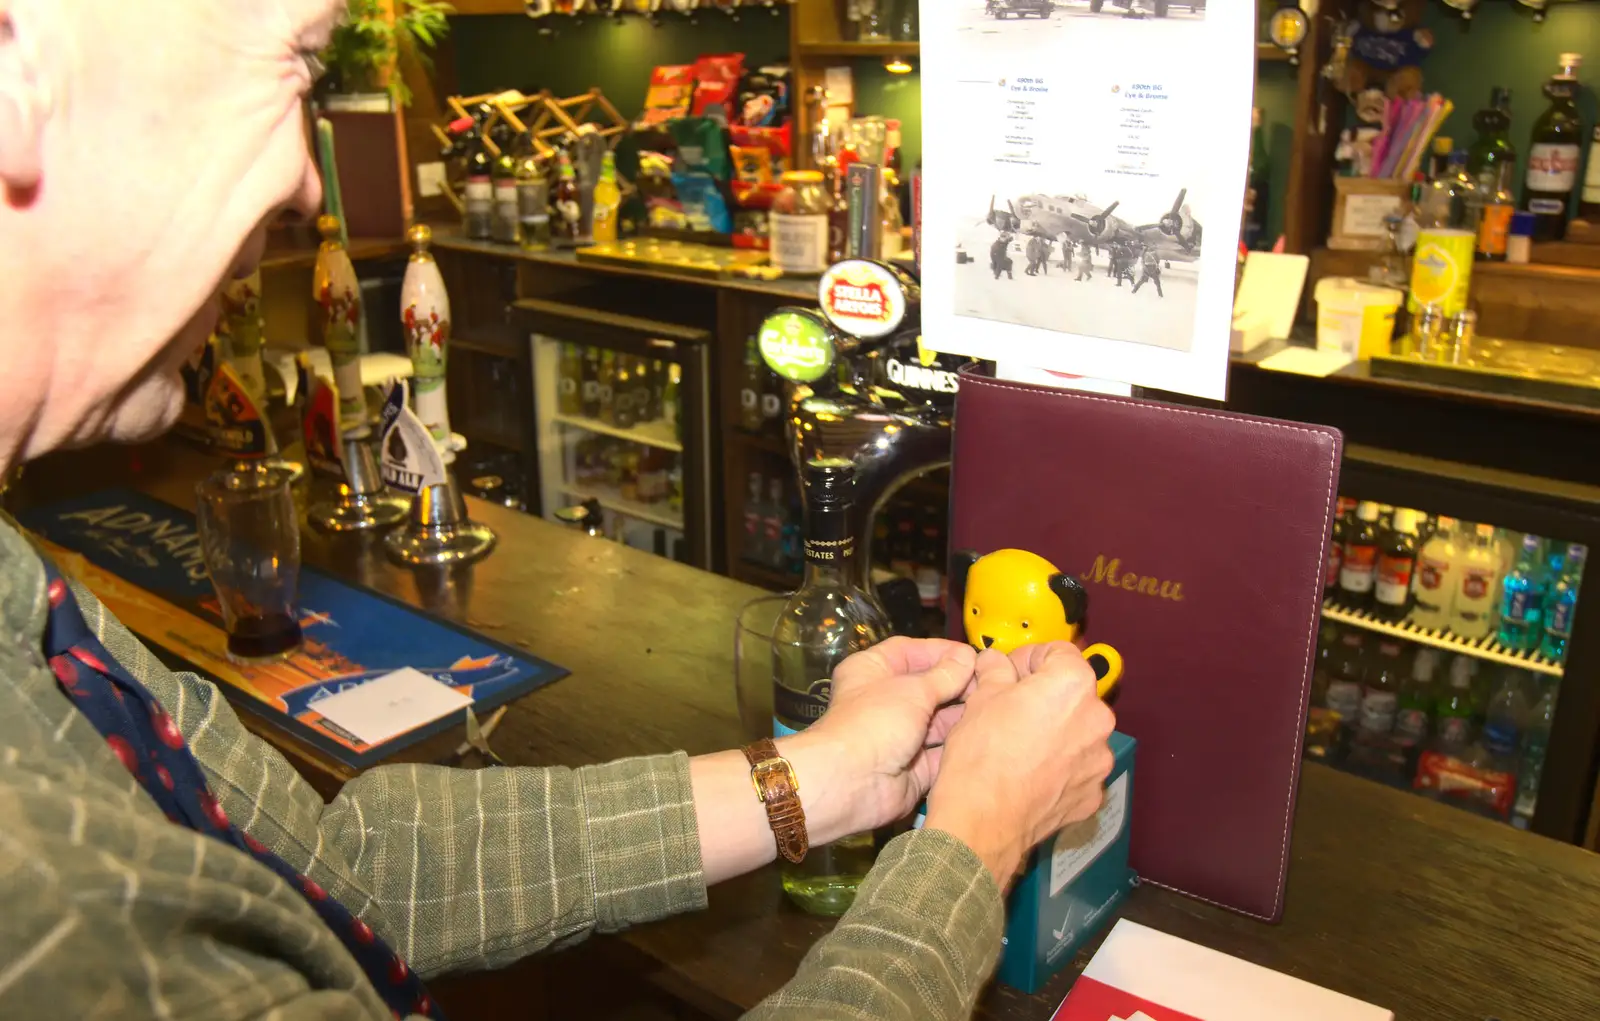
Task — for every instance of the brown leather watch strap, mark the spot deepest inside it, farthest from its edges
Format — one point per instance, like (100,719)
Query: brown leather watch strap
(779,790)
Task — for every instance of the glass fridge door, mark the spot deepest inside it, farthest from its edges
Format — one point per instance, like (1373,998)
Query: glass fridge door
(621,425)
(1441,656)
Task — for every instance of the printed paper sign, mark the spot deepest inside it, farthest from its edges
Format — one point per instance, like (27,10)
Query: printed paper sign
(1085,185)
(410,460)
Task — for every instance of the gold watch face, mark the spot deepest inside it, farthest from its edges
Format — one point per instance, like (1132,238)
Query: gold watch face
(1289,27)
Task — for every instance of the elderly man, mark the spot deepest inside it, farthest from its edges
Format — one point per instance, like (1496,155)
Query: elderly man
(158,861)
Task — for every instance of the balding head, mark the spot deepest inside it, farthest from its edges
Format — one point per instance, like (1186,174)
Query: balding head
(143,148)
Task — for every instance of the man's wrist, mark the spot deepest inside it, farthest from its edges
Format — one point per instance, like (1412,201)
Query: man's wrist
(1000,853)
(831,793)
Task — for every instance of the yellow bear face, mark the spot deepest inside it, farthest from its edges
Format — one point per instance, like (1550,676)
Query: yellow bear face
(1010,602)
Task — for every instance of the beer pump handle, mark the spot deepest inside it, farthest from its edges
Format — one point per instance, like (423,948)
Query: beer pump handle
(425,319)
(338,293)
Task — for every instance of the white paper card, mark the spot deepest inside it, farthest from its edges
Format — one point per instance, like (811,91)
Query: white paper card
(392,704)
(1125,136)
(1076,847)
(1306,361)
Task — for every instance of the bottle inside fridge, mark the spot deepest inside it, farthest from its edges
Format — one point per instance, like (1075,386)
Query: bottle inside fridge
(1441,671)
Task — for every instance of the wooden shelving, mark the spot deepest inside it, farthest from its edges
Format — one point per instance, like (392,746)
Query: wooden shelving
(1271,53)
(847,51)
(611,500)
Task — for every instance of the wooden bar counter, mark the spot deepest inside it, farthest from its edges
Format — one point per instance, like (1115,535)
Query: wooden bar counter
(1415,906)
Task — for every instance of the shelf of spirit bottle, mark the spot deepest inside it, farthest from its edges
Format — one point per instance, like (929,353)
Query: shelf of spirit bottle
(651,434)
(1481,648)
(611,500)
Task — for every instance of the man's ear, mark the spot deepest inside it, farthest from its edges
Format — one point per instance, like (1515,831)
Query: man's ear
(25,103)
(1074,600)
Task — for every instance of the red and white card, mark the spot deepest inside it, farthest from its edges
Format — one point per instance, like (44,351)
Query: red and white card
(1140,974)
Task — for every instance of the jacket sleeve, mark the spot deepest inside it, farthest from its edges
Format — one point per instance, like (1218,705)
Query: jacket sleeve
(456,869)
(918,944)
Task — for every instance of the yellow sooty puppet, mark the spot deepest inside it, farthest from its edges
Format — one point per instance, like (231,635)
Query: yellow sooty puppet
(1011,598)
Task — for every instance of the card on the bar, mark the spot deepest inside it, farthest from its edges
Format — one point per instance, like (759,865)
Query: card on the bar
(141,557)
(1200,539)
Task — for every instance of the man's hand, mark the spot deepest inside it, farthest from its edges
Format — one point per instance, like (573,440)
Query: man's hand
(881,738)
(1028,756)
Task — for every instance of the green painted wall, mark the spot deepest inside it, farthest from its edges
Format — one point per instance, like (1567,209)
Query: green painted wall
(509,51)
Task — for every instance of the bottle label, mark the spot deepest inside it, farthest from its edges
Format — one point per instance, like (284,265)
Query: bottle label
(1495,231)
(1552,168)
(591,390)
(1344,698)
(505,195)
(1335,561)
(1411,724)
(1454,730)
(568,386)
(1394,580)
(830,551)
(1378,711)
(1559,623)
(770,406)
(479,195)
(605,394)
(749,400)
(1360,563)
(1515,608)
(800,242)
(1432,573)
(1500,736)
(1591,177)
(1475,583)
(1547,207)
(800,709)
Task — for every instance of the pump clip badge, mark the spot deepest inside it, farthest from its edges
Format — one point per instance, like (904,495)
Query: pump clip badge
(797,345)
(863,298)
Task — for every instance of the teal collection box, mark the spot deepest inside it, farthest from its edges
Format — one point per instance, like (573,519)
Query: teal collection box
(1073,884)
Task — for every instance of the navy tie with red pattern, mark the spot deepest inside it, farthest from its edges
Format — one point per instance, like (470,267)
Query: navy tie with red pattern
(153,749)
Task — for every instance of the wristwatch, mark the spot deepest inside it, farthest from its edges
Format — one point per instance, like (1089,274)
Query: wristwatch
(779,790)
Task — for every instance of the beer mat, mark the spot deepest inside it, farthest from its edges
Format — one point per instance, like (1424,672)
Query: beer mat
(141,558)
(1200,539)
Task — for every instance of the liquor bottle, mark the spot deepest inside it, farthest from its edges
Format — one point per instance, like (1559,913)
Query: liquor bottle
(771,403)
(643,386)
(907,21)
(591,382)
(569,385)
(828,619)
(1357,572)
(1470,616)
(755,373)
(1522,599)
(903,545)
(1443,204)
(1381,699)
(505,225)
(675,488)
(1535,743)
(658,391)
(1347,677)
(1502,726)
(1436,578)
(752,519)
(607,379)
(1561,603)
(1341,531)
(567,226)
(670,408)
(930,561)
(1553,157)
(533,197)
(1397,562)
(629,458)
(772,524)
(607,201)
(1414,711)
(1458,705)
(1260,179)
(1491,163)
(653,469)
(1589,207)
(622,393)
(477,217)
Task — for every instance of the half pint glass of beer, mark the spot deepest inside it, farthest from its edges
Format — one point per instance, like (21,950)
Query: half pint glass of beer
(251,541)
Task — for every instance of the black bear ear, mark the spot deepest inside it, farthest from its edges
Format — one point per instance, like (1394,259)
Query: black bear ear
(1074,600)
(961,562)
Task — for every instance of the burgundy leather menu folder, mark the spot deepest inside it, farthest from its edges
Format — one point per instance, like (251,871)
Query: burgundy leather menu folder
(1200,538)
